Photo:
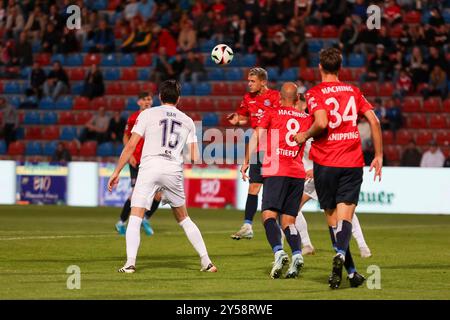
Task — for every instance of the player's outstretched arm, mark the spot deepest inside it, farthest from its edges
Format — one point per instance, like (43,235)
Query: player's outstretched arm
(194,154)
(375,127)
(236,119)
(127,152)
(320,123)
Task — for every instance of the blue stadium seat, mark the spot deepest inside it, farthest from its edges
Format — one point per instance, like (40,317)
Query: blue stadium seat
(58,57)
(202,89)
(209,62)
(74,60)
(12,87)
(355,60)
(210,119)
(315,45)
(125,114)
(112,74)
(77,88)
(106,149)
(132,104)
(33,148)
(118,149)
(143,74)
(46,104)
(216,74)
(126,60)
(156,101)
(25,72)
(313,60)
(446,16)
(233,74)
(32,117)
(64,103)
(2,147)
(272,73)
(36,47)
(187,89)
(68,133)
(15,101)
(49,148)
(249,60)
(109,61)
(49,118)
(290,74)
(238,61)
(207,46)
(100,5)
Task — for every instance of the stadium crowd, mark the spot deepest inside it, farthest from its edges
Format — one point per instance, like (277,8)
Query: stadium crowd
(409,54)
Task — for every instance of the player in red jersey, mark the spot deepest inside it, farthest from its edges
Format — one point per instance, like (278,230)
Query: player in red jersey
(253,105)
(337,155)
(284,177)
(144,101)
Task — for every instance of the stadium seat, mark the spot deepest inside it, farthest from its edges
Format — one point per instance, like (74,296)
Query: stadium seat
(206,104)
(156,101)
(187,89)
(202,89)
(195,116)
(82,118)
(2,147)
(105,150)
(58,57)
(392,153)
(424,137)
(112,74)
(49,148)
(25,73)
(126,60)
(238,89)
(132,104)
(49,118)
(33,133)
(33,149)
(388,137)
(290,74)
(210,119)
(32,117)
(98,102)
(118,150)
(130,88)
(216,74)
(16,148)
(12,87)
(438,121)
(432,105)
(66,118)
(225,105)
(416,121)
(72,147)
(396,31)
(81,103)
(43,58)
(220,89)
(233,74)
(315,45)
(20,133)
(412,17)
(74,60)
(403,136)
(64,103)
(109,60)
(100,5)
(46,103)
(312,31)
(329,31)
(411,105)
(92,58)
(188,104)
(369,88)
(386,89)
(114,88)
(88,149)
(272,73)
(77,88)
(143,74)
(116,104)
(309,74)
(249,60)
(76,74)
(355,60)
(446,106)
(68,133)
(148,87)
(144,60)
(443,137)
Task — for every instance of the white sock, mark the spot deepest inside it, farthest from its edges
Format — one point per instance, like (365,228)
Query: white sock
(302,227)
(133,239)
(357,232)
(195,237)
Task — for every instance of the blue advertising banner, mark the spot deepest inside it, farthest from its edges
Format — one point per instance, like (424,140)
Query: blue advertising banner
(41,183)
(120,194)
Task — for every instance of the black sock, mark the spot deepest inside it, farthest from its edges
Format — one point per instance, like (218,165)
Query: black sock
(293,238)
(349,264)
(126,209)
(332,237)
(273,234)
(155,206)
(250,207)
(343,236)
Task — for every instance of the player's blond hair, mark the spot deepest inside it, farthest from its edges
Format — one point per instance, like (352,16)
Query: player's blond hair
(259,72)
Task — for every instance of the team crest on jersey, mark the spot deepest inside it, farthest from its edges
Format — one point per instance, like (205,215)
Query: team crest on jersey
(267,102)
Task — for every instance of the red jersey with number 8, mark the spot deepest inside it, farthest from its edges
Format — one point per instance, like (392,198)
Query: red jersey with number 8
(284,157)
(340,144)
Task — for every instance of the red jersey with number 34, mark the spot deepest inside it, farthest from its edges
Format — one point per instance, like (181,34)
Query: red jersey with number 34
(130,124)
(284,157)
(340,144)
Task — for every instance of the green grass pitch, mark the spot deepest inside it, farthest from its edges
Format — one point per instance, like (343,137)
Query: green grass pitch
(39,243)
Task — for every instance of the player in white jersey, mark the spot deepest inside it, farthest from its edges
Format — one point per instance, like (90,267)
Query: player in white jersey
(309,192)
(166,131)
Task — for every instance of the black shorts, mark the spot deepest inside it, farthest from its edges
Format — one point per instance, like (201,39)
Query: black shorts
(336,185)
(133,174)
(282,194)
(254,171)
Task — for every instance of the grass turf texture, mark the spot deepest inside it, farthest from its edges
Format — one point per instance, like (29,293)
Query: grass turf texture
(38,243)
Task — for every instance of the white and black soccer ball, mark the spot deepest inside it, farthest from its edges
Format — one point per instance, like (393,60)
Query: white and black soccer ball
(222,54)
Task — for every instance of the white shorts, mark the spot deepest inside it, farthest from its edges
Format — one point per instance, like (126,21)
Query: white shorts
(310,189)
(149,182)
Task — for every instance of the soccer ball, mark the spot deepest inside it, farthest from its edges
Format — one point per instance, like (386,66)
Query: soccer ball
(222,54)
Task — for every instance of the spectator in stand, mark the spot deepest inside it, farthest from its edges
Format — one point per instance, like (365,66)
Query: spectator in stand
(398,63)
(386,40)
(57,82)
(437,86)
(147,9)
(56,18)
(103,38)
(220,28)
(367,39)
(302,9)
(347,36)
(203,23)
(259,42)
(218,6)
(298,51)
(35,25)
(163,15)
(116,128)
(69,42)
(417,67)
(276,52)
(195,70)
(392,12)
(403,86)
(436,58)
(394,114)
(441,38)
(88,28)
(381,113)
(411,156)
(165,40)
(15,21)
(359,11)
(96,128)
(187,39)
(178,64)
(50,39)
(138,40)
(417,36)
(433,158)
(162,68)
(23,53)
(61,154)
(378,66)
(131,10)
(37,80)
(436,19)
(93,83)
(9,121)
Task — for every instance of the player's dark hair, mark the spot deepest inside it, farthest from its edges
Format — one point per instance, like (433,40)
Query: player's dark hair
(170,91)
(144,94)
(259,72)
(330,60)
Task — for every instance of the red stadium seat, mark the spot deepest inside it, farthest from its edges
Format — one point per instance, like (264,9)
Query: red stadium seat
(417,121)
(424,137)
(113,88)
(129,74)
(188,104)
(116,104)
(346,74)
(309,74)
(33,133)
(411,105)
(392,153)
(66,117)
(149,87)
(143,60)
(329,31)
(92,58)
(82,117)
(369,88)
(16,148)
(43,58)
(412,17)
(447,106)
(403,136)
(220,89)
(388,137)
(81,103)
(432,105)
(443,137)
(50,133)
(195,116)
(97,103)
(131,88)
(225,105)
(438,121)
(396,31)
(76,74)
(386,89)
(113,4)
(206,104)
(88,149)
(312,31)
(72,147)
(238,89)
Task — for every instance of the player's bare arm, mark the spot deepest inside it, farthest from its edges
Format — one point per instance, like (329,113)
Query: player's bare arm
(237,119)
(320,123)
(193,152)
(377,162)
(249,150)
(132,161)
(123,160)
